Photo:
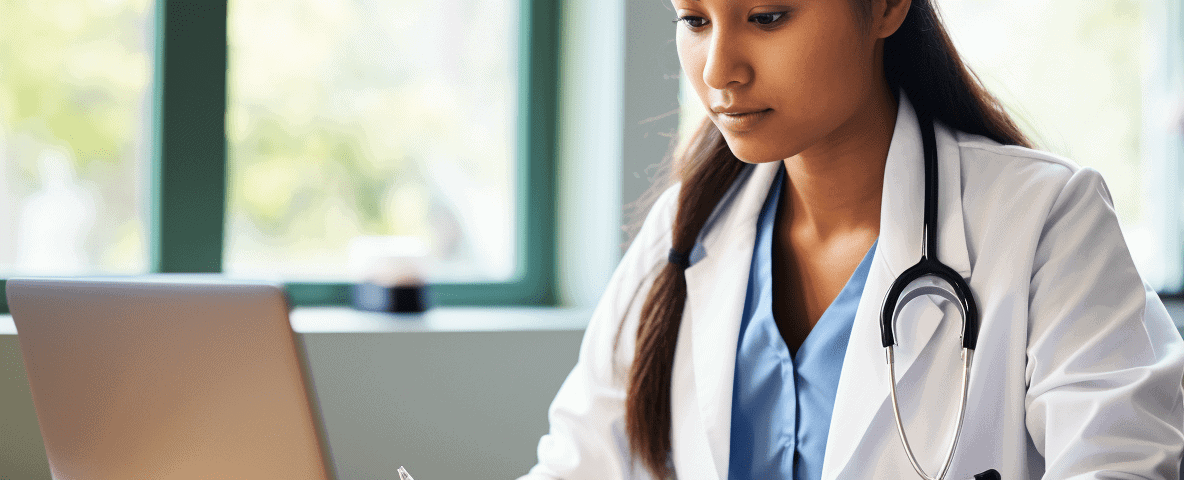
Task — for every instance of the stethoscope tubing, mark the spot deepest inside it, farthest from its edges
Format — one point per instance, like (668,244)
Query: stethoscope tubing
(967,355)
(929,266)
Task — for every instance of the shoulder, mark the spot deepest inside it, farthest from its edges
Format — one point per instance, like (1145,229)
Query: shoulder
(643,259)
(994,171)
(611,332)
(979,152)
(654,237)
(1048,205)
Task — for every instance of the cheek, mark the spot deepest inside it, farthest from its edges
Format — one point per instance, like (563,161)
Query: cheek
(691,61)
(816,77)
(821,66)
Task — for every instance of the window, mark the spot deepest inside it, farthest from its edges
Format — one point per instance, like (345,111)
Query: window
(1097,82)
(356,118)
(171,127)
(74,97)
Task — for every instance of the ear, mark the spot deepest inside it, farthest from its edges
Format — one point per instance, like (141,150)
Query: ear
(888,15)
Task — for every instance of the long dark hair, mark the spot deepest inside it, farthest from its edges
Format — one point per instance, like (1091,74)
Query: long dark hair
(920,59)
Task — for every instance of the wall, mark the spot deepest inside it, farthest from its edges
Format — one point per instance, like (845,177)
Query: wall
(618,114)
(22,454)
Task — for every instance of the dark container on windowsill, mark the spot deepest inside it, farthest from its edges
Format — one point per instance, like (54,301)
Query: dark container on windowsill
(392,299)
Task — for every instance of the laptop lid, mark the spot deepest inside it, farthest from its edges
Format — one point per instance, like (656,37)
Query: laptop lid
(138,379)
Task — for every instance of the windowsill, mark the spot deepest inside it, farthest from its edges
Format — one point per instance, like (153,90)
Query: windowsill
(442,319)
(463,319)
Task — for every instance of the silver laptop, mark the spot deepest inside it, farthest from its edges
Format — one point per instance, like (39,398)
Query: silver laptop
(145,379)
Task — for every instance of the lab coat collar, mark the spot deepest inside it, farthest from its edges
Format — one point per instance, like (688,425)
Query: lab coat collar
(718,277)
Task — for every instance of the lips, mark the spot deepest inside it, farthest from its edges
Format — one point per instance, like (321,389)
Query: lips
(742,122)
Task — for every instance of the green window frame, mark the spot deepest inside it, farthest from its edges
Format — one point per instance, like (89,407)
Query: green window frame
(188,178)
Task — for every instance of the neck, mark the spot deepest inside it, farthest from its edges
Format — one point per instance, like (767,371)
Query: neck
(834,188)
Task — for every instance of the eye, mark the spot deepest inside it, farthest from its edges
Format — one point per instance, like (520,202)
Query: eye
(692,22)
(767,18)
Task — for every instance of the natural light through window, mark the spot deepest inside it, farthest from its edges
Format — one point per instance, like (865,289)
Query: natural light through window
(360,118)
(75,97)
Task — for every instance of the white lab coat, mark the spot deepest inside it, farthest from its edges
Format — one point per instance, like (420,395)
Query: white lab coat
(1078,369)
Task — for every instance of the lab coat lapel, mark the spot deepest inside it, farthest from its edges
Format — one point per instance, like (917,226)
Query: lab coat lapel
(863,389)
(716,289)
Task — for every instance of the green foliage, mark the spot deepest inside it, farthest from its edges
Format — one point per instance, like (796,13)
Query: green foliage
(74,78)
(347,119)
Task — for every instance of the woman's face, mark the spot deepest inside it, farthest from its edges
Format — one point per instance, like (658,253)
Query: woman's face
(805,65)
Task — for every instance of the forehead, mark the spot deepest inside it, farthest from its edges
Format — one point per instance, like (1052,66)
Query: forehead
(861,7)
(744,3)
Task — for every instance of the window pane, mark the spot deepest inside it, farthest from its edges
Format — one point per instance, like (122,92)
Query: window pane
(1085,80)
(75,86)
(362,118)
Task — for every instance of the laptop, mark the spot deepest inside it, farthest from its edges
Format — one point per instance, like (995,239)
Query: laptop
(168,380)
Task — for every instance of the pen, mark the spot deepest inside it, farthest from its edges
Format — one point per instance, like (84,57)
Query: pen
(403,475)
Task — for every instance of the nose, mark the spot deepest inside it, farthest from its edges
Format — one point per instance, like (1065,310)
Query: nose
(727,66)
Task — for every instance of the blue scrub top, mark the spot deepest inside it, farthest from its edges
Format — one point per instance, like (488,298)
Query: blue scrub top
(782,403)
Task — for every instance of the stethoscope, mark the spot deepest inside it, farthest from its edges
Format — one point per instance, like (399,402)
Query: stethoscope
(930,266)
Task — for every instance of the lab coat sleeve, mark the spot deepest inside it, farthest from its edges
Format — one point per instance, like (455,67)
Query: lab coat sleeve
(587,430)
(1104,361)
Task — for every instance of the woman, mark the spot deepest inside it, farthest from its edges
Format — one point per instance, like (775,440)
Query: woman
(739,337)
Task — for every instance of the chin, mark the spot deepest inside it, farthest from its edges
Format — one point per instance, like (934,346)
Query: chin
(759,160)
(749,153)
